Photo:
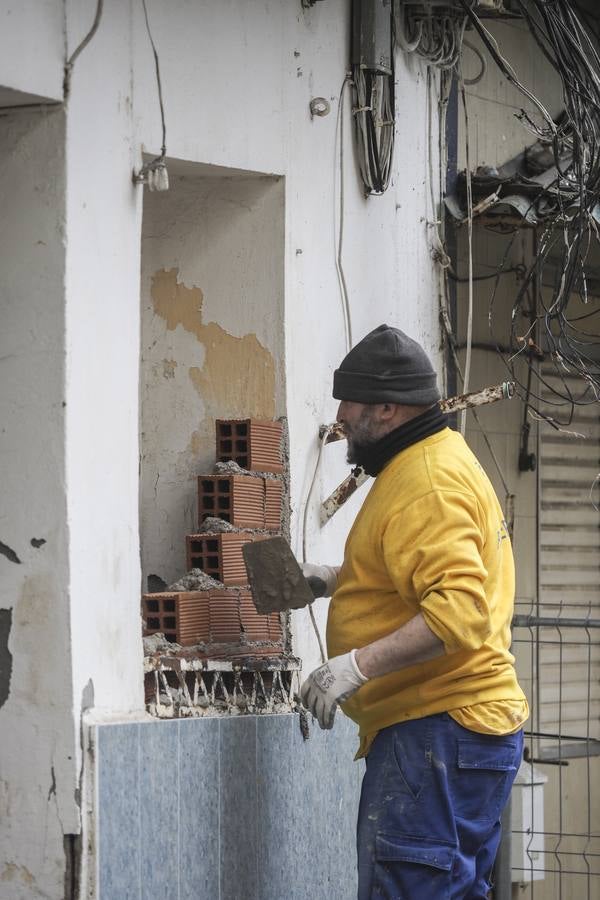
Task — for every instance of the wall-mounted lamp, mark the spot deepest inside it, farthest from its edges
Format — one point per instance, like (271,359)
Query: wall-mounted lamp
(154,174)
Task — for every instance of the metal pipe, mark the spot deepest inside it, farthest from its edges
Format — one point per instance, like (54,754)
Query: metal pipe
(523,621)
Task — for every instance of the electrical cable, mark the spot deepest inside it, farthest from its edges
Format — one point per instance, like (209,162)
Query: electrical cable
(338,224)
(566,206)
(163,149)
(469,339)
(305,536)
(154,173)
(71,60)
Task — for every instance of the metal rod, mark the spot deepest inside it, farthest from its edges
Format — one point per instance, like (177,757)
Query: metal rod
(503,391)
(358,476)
(521,621)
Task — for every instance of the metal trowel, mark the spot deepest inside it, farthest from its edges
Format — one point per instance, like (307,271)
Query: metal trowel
(275,576)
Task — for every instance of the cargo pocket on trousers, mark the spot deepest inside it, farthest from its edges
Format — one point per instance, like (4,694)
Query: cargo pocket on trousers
(411,868)
(486,770)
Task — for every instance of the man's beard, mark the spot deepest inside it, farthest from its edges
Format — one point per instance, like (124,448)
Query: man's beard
(360,438)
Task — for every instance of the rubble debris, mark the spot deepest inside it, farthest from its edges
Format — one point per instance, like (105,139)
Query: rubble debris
(156,642)
(195,580)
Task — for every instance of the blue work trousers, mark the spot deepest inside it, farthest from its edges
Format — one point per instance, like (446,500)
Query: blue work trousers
(429,818)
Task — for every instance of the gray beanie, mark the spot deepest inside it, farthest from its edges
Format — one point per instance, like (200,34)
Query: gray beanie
(386,367)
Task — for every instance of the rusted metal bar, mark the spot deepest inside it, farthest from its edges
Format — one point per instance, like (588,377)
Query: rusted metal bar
(342,493)
(358,476)
(504,391)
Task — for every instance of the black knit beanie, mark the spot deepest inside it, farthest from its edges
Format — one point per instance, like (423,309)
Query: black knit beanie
(386,367)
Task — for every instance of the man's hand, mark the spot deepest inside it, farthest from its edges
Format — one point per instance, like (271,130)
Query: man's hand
(322,580)
(331,684)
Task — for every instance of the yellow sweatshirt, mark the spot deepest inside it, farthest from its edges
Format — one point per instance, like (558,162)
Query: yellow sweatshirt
(431,538)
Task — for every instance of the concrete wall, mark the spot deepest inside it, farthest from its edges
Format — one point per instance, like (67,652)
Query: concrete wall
(212,338)
(38,777)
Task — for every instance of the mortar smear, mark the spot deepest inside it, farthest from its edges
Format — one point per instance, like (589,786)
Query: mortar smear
(230,467)
(195,580)
(216,526)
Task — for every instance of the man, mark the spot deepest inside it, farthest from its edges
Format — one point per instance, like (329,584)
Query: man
(418,635)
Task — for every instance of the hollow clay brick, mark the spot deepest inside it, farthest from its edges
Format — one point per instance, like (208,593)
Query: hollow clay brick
(220,555)
(245,501)
(219,616)
(255,445)
(182,616)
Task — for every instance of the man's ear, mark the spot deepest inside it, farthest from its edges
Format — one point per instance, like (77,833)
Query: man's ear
(388,411)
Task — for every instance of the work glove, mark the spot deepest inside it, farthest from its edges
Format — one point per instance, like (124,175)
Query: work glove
(322,580)
(330,685)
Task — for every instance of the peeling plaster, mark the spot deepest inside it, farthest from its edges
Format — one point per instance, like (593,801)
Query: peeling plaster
(238,373)
(9,553)
(5,655)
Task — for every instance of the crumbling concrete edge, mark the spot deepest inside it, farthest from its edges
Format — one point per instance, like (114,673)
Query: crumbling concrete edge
(88,877)
(286,514)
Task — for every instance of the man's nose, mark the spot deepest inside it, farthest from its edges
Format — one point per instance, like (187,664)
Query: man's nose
(340,412)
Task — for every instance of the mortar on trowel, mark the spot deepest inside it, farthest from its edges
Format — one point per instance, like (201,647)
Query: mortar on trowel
(275,576)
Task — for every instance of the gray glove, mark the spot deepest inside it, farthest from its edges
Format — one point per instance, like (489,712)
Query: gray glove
(322,580)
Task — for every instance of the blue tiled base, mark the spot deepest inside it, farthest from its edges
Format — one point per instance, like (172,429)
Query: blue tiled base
(238,808)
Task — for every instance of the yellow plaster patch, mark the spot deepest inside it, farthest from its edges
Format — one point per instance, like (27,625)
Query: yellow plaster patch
(238,375)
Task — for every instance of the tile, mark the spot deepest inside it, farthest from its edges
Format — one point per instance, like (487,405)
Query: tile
(326,789)
(276,831)
(238,809)
(159,810)
(199,766)
(342,799)
(118,812)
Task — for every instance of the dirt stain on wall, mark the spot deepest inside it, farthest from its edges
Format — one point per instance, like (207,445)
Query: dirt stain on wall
(238,375)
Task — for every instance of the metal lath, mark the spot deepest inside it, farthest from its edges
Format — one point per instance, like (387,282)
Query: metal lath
(180,688)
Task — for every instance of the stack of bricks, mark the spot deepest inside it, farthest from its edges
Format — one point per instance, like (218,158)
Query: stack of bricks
(251,503)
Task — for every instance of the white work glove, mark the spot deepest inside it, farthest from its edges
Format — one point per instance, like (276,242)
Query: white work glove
(330,685)
(322,580)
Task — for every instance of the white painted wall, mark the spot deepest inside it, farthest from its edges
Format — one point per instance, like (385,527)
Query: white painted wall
(33,50)
(38,777)
(103,325)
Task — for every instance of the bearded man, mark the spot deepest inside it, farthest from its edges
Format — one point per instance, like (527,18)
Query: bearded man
(419,636)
